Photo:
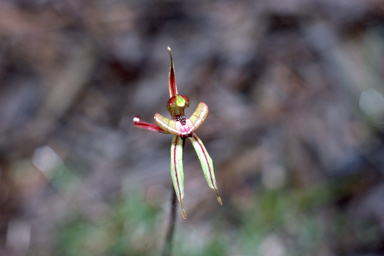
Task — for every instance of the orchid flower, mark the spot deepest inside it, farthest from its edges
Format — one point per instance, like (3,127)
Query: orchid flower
(182,128)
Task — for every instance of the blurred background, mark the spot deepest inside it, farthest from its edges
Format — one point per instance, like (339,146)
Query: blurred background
(295,130)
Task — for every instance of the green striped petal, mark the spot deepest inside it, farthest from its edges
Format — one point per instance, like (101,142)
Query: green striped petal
(177,169)
(206,164)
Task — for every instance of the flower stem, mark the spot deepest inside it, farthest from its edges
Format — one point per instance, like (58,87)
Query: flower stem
(171,226)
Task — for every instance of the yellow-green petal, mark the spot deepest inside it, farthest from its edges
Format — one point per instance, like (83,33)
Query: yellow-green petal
(177,173)
(206,164)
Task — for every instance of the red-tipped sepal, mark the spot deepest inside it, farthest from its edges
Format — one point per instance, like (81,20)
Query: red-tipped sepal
(147,126)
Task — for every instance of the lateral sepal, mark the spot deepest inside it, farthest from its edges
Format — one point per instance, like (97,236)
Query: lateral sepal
(177,172)
(206,164)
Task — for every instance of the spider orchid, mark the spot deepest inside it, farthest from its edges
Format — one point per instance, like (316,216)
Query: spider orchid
(182,128)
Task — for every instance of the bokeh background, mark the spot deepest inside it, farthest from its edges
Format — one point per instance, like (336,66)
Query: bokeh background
(295,130)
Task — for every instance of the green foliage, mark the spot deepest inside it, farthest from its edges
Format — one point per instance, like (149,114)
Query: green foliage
(297,219)
(126,229)
(300,221)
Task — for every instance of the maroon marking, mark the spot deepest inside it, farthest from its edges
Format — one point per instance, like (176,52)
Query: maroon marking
(172,81)
(206,159)
(174,164)
(181,119)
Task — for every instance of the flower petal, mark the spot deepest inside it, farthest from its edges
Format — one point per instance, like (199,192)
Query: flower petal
(198,117)
(172,77)
(177,169)
(147,126)
(166,124)
(206,164)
